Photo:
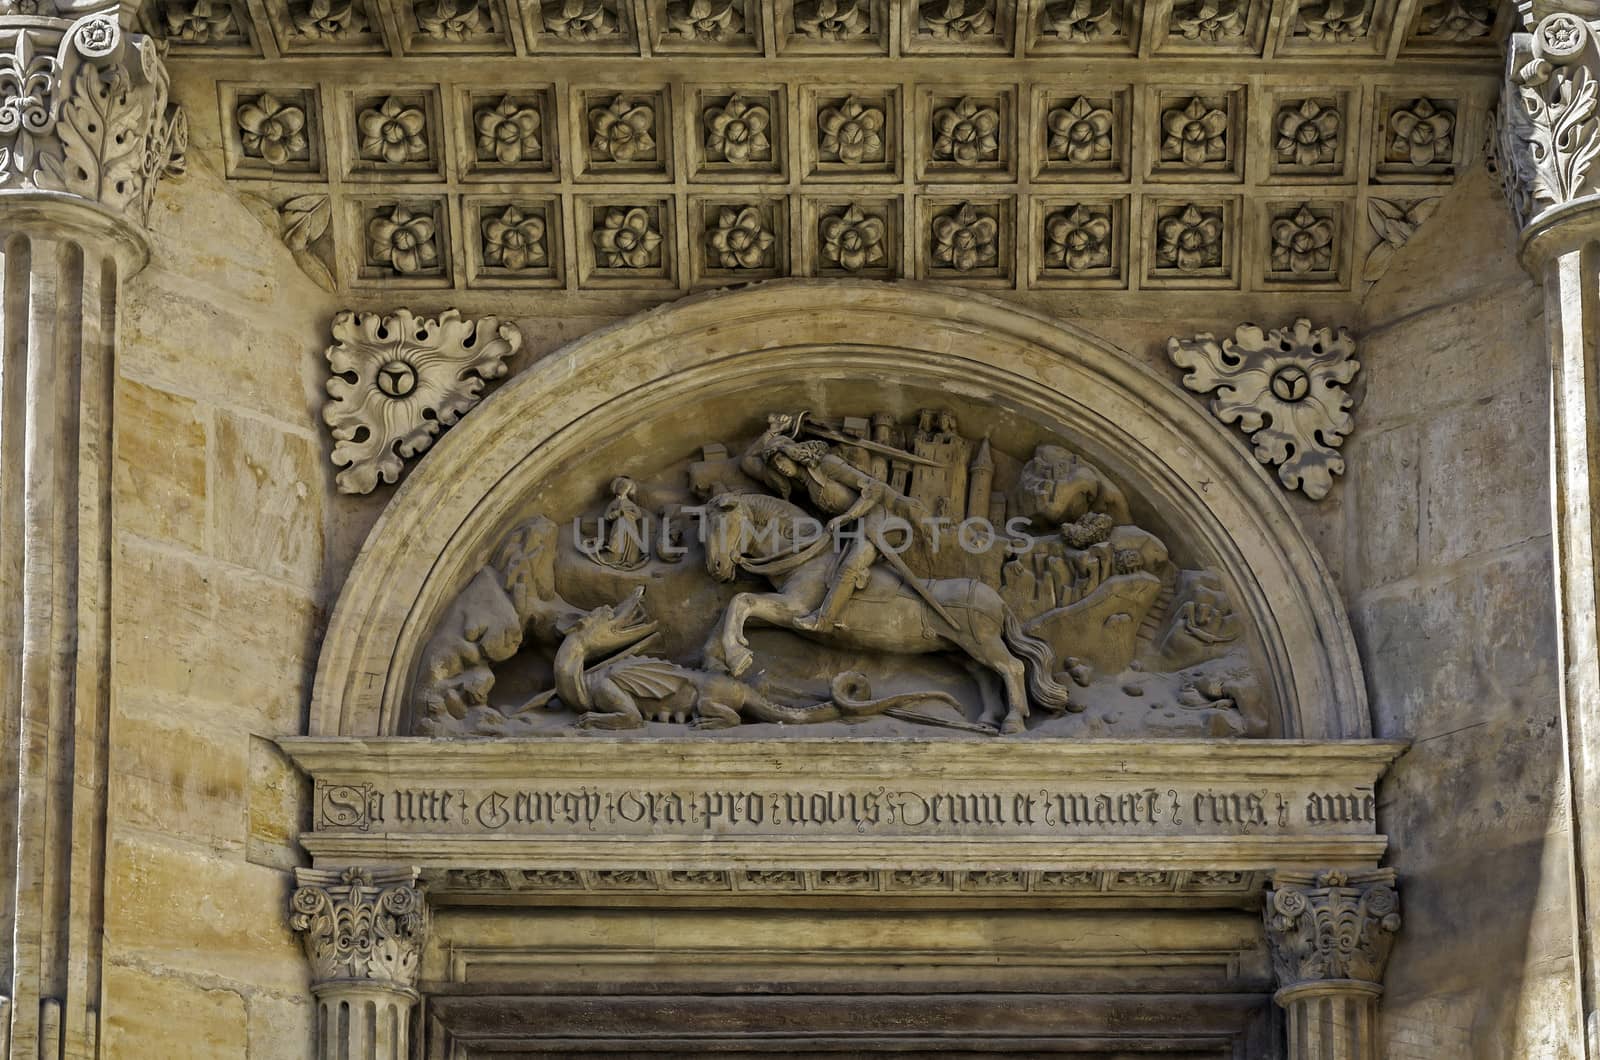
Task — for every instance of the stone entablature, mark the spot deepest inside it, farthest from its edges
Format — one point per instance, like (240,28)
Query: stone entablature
(559,806)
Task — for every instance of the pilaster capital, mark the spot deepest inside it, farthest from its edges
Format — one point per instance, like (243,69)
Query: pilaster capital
(1331,931)
(86,129)
(362,928)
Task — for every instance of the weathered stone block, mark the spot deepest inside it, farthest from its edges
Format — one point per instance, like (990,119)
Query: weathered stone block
(269,488)
(1385,484)
(1481,490)
(163,1015)
(202,914)
(160,472)
(178,767)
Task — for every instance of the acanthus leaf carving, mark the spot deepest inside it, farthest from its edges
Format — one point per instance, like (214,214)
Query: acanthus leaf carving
(83,110)
(1549,116)
(1331,925)
(360,925)
(396,381)
(1285,388)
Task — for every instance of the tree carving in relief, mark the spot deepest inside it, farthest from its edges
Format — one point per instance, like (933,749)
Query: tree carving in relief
(871,573)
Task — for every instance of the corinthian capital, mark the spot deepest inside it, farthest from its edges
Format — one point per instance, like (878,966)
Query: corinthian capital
(1331,927)
(1548,125)
(360,927)
(84,114)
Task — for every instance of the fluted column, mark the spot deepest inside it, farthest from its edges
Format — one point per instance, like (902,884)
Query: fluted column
(363,931)
(85,131)
(1330,934)
(1548,154)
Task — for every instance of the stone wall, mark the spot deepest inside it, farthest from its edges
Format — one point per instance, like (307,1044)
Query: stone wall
(231,546)
(223,499)
(1448,576)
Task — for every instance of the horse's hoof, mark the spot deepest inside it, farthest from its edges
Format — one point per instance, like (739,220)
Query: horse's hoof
(1012,725)
(739,661)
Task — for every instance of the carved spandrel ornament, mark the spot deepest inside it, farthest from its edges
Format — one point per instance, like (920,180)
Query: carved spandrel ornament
(360,926)
(396,381)
(1285,388)
(83,110)
(1331,925)
(867,574)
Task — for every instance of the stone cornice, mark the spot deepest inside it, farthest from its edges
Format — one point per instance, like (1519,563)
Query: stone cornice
(84,117)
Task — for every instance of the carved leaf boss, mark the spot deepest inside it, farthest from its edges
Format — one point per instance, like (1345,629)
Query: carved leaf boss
(1285,388)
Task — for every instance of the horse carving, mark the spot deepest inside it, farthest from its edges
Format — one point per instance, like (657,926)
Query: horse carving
(885,614)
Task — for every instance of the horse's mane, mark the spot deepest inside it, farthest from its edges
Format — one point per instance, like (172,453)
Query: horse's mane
(764,505)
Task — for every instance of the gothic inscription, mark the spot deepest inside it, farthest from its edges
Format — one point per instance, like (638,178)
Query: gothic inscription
(894,809)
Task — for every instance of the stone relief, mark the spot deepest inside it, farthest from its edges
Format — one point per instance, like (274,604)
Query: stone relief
(1395,222)
(869,574)
(84,111)
(396,381)
(1285,388)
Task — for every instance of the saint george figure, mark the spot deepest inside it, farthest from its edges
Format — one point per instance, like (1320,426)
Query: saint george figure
(843,491)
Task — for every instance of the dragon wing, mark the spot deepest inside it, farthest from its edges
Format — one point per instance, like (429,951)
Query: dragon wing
(645,677)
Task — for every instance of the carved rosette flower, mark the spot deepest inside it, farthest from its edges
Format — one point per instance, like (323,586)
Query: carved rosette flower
(200,21)
(708,21)
(272,130)
(514,240)
(966,239)
(1331,925)
(1081,21)
(360,926)
(392,132)
(508,132)
(851,133)
(580,20)
(832,20)
(1190,240)
(396,381)
(1285,389)
(736,132)
(1308,134)
(1422,133)
(956,20)
(1077,238)
(451,21)
(627,239)
(852,240)
(966,133)
(1080,132)
(329,21)
(1196,133)
(1456,20)
(403,240)
(1210,20)
(622,131)
(1302,243)
(1332,20)
(740,239)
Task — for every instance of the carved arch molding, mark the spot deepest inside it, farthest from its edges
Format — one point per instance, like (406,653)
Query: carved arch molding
(1175,718)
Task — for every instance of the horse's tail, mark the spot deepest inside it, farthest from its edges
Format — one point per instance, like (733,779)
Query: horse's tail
(1039,661)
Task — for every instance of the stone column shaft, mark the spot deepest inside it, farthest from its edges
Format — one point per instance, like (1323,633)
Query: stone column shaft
(1330,934)
(1547,147)
(57,310)
(85,131)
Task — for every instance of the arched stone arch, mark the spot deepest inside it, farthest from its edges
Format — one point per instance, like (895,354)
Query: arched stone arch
(512,451)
